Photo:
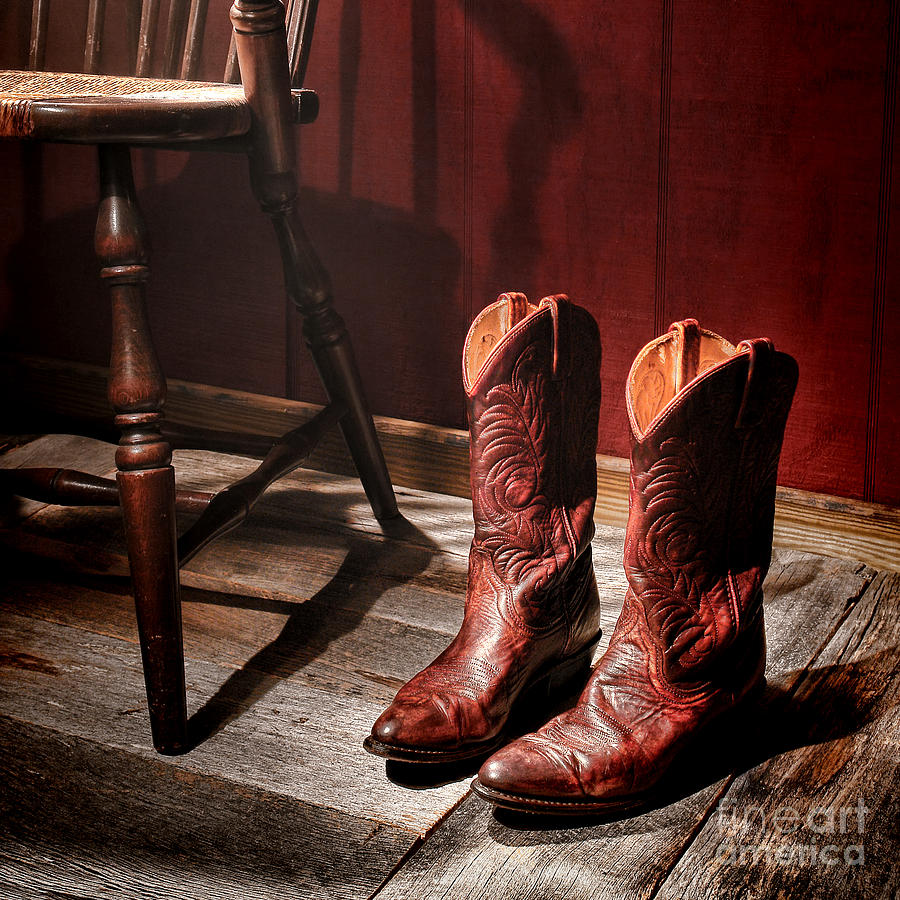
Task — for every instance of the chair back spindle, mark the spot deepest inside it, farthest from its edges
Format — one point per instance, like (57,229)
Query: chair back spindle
(93,38)
(37,45)
(193,39)
(175,31)
(146,37)
(183,39)
(300,20)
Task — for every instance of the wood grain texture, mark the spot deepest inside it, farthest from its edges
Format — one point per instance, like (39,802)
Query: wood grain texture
(477,854)
(432,458)
(304,740)
(288,667)
(834,526)
(248,656)
(68,451)
(313,542)
(111,824)
(319,600)
(838,740)
(311,642)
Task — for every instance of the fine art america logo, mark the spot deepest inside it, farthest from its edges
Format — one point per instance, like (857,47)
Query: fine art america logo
(819,836)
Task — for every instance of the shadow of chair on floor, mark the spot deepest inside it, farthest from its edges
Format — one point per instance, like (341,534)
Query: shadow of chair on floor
(310,629)
(396,550)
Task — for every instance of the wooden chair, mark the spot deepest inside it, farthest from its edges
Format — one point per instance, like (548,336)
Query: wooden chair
(269,51)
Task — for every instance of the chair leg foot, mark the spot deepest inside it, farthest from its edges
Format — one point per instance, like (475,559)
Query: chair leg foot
(337,367)
(148,508)
(309,287)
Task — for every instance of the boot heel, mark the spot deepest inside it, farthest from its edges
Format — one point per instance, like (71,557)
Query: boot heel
(567,676)
(754,696)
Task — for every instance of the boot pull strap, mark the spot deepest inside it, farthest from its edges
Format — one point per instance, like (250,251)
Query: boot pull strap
(561,313)
(688,350)
(516,309)
(761,351)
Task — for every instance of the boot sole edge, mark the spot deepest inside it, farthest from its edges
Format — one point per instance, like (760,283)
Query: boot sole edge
(549,806)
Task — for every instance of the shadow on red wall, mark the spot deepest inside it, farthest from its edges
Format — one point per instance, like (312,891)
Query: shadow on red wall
(216,295)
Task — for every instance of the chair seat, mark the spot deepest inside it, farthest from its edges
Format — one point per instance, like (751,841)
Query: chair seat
(91,109)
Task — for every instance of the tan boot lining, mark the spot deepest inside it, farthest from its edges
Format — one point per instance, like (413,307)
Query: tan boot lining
(488,328)
(653,380)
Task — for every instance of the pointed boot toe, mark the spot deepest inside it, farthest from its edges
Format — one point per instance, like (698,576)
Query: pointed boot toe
(391,728)
(568,767)
(424,726)
(528,772)
(409,730)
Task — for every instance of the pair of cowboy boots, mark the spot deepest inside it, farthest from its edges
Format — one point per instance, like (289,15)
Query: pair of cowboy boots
(707,422)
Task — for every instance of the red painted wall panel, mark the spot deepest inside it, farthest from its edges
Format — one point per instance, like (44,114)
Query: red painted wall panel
(383,169)
(654,160)
(773,194)
(883,456)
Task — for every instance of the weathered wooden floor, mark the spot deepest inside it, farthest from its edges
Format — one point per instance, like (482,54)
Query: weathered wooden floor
(300,627)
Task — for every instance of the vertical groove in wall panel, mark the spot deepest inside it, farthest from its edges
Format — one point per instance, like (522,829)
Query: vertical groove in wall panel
(881,243)
(292,346)
(468,159)
(468,166)
(665,106)
(424,125)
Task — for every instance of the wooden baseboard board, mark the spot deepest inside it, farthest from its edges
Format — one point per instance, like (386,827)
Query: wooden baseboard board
(432,458)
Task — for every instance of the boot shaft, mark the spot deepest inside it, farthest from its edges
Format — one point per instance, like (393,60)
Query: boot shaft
(531,374)
(707,422)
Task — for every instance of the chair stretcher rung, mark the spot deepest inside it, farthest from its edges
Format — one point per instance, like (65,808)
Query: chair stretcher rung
(233,504)
(68,487)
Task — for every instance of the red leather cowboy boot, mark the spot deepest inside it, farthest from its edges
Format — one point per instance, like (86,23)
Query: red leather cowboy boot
(532,609)
(707,425)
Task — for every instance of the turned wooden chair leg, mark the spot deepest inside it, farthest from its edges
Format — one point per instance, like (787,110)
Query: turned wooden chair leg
(146,480)
(326,336)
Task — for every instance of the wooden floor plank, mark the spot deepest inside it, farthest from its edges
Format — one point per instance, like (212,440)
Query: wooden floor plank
(478,854)
(393,581)
(63,451)
(299,628)
(322,644)
(430,457)
(326,646)
(302,543)
(267,732)
(309,528)
(383,607)
(258,561)
(84,820)
(820,816)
